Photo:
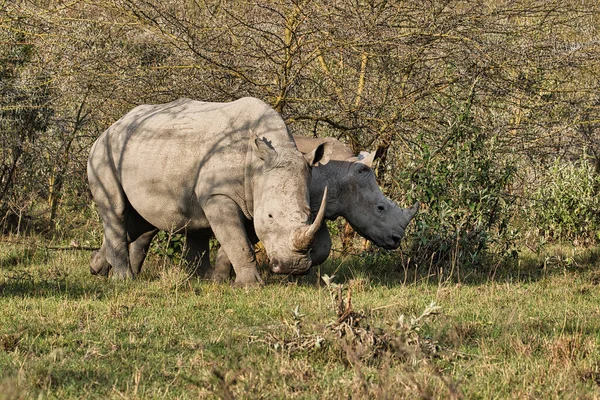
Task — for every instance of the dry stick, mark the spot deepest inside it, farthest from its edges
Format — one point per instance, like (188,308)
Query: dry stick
(348,307)
(60,248)
(386,306)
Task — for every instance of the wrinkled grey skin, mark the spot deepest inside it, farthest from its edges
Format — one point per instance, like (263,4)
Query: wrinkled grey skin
(353,193)
(203,168)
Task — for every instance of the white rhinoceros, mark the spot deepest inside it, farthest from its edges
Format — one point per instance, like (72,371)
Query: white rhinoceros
(352,193)
(205,168)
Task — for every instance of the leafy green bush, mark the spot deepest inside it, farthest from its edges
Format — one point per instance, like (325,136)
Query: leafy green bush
(168,246)
(566,205)
(464,188)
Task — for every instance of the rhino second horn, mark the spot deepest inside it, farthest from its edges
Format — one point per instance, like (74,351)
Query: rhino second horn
(410,213)
(304,238)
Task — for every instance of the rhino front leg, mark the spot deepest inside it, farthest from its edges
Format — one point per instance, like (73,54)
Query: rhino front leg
(227,222)
(319,252)
(223,266)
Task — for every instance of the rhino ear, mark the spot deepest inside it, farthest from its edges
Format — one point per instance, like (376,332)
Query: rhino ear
(320,155)
(262,148)
(366,158)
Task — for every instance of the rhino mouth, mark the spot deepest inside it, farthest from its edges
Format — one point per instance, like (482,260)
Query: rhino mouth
(391,242)
(301,268)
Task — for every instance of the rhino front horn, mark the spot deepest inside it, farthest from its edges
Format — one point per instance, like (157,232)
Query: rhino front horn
(305,238)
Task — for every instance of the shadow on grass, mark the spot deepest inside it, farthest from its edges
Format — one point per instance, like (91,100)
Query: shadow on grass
(32,272)
(385,268)
(23,284)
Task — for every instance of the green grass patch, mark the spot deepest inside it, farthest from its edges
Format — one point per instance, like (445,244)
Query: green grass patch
(531,332)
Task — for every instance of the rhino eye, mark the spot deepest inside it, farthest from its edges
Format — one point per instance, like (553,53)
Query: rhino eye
(270,216)
(381,208)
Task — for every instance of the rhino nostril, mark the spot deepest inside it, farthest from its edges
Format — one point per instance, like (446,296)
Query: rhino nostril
(276,266)
(396,238)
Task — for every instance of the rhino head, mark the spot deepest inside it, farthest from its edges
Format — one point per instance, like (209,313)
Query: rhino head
(355,195)
(373,215)
(281,209)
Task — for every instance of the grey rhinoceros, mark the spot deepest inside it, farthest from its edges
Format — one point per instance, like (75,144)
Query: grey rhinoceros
(352,193)
(204,168)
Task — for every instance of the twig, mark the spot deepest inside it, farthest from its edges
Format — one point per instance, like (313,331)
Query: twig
(347,309)
(386,306)
(60,248)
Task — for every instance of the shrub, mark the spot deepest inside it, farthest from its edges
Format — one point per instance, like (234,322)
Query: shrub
(168,246)
(566,204)
(464,187)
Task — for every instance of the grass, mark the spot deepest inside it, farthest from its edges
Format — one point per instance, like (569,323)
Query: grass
(529,333)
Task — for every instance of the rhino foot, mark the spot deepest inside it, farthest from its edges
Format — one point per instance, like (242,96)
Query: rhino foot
(98,264)
(211,275)
(222,273)
(221,277)
(248,278)
(122,275)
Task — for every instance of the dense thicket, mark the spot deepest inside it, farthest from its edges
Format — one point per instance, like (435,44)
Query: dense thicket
(473,107)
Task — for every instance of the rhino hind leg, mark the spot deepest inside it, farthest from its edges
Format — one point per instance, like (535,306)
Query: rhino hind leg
(113,208)
(138,249)
(114,253)
(116,249)
(197,254)
(139,236)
